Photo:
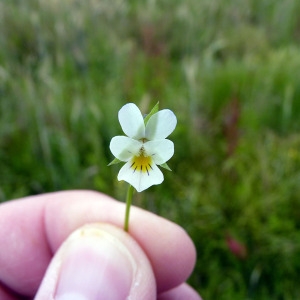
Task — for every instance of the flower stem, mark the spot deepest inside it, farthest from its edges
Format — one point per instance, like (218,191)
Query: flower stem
(128,204)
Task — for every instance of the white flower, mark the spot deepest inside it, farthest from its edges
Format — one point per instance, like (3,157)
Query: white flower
(144,147)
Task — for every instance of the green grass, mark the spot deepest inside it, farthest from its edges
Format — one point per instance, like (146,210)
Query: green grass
(230,70)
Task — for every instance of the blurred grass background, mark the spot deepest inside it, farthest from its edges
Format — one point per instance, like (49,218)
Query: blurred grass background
(230,70)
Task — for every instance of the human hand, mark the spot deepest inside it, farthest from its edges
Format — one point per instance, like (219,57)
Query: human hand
(70,246)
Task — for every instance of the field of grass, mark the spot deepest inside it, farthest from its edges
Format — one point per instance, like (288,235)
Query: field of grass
(230,70)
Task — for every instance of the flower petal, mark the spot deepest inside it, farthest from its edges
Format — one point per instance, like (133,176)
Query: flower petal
(132,121)
(160,125)
(159,150)
(138,179)
(123,147)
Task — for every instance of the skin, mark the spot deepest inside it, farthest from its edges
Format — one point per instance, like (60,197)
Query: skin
(33,230)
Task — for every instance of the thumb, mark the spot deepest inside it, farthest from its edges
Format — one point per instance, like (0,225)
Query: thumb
(98,261)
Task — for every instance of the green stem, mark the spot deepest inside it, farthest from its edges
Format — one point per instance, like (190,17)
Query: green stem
(128,204)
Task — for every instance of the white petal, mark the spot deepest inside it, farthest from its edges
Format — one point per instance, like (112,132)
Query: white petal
(160,125)
(132,121)
(123,147)
(160,150)
(138,179)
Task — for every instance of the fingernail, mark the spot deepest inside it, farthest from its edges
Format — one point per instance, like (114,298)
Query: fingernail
(95,265)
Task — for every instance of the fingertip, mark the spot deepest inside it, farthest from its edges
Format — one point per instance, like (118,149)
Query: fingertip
(182,292)
(99,259)
(169,247)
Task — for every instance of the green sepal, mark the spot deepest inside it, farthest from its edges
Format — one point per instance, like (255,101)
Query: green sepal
(114,162)
(165,166)
(152,112)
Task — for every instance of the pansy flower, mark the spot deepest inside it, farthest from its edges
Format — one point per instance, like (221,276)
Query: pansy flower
(144,147)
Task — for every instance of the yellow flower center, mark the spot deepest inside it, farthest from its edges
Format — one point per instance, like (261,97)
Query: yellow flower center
(141,162)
